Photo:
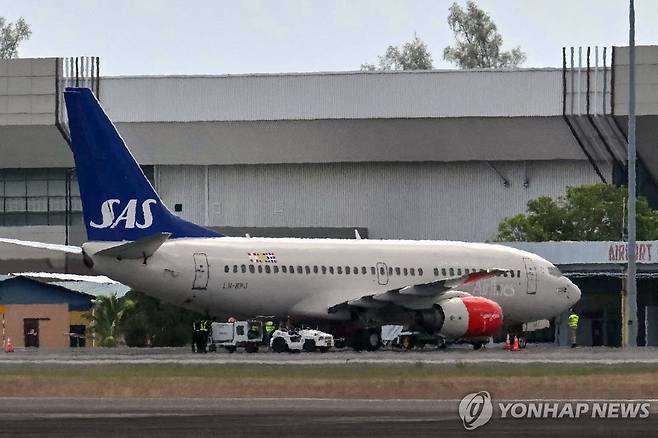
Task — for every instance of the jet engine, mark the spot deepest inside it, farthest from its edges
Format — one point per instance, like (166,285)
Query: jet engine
(469,317)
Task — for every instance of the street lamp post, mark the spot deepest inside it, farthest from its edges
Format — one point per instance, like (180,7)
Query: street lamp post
(631,298)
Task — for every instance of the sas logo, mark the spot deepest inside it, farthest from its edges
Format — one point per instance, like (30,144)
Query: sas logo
(127,215)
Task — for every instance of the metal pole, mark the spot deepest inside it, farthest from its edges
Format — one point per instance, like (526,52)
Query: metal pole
(632,282)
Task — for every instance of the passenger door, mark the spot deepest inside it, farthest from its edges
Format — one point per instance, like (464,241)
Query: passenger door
(531,275)
(201,274)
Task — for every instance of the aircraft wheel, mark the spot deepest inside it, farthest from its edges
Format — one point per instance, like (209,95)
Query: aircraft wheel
(251,348)
(407,342)
(522,342)
(309,345)
(477,345)
(279,345)
(373,339)
(230,349)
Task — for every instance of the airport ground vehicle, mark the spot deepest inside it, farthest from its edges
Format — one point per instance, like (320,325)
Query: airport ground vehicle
(231,335)
(298,340)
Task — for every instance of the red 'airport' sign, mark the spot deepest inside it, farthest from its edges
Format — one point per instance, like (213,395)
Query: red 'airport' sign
(618,252)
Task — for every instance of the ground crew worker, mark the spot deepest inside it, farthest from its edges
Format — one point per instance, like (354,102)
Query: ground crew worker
(573,327)
(195,336)
(203,338)
(269,329)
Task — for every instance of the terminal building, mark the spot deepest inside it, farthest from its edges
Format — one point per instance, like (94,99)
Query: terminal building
(396,155)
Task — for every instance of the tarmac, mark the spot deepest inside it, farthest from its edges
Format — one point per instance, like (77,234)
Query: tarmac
(455,355)
(173,417)
(59,417)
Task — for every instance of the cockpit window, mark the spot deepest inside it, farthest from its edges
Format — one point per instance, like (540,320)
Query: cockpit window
(555,272)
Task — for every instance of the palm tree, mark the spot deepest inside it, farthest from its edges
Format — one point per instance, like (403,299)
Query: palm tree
(106,317)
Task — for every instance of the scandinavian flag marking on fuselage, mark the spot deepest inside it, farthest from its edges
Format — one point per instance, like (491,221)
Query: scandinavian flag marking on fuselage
(262,257)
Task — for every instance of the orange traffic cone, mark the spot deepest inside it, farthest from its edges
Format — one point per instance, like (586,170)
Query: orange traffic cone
(9,347)
(515,347)
(507,346)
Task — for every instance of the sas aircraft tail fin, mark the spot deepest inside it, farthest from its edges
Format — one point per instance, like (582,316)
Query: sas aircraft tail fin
(118,201)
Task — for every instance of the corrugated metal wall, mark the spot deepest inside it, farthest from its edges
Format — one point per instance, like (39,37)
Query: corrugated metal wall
(349,95)
(464,201)
(27,91)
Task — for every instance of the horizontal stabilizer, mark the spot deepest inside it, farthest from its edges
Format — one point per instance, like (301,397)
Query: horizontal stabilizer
(40,245)
(139,249)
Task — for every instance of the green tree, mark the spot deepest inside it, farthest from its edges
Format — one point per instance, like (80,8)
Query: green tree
(106,319)
(477,41)
(412,55)
(11,36)
(588,212)
(157,324)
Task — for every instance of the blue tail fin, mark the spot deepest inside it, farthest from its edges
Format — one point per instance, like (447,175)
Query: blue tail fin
(118,201)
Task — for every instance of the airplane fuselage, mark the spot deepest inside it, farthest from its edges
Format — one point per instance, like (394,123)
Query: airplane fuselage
(306,277)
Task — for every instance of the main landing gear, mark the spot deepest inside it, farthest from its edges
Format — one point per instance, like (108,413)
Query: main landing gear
(369,339)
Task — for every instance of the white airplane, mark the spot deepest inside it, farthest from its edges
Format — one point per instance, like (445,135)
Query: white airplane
(461,291)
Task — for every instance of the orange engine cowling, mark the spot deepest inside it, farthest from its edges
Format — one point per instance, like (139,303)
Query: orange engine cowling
(470,317)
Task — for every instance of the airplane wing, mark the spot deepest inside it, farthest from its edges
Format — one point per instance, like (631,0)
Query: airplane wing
(418,296)
(40,245)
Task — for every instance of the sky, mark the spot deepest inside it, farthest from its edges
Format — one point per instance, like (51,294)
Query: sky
(149,37)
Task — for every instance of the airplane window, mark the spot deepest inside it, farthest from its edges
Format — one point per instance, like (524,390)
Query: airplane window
(420,271)
(252,268)
(291,269)
(260,269)
(452,272)
(324,269)
(339,270)
(331,270)
(466,271)
(315,269)
(284,269)
(364,271)
(356,270)
(518,274)
(307,269)
(443,272)
(226,268)
(397,270)
(382,271)
(372,270)
(268,269)
(405,271)
(235,269)
(276,269)
(347,269)
(390,271)
(505,274)
(299,269)
(243,268)
(459,271)
(512,274)
(436,272)
(412,271)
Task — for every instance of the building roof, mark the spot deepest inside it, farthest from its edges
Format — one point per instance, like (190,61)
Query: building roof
(24,290)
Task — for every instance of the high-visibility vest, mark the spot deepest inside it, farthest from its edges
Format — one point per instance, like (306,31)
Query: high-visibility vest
(269,327)
(573,320)
(204,326)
